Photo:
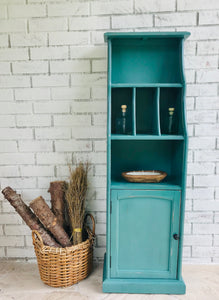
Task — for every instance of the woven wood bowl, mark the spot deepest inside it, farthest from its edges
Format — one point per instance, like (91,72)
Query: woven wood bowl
(149,176)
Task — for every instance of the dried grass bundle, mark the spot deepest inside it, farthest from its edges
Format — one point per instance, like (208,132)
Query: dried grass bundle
(75,195)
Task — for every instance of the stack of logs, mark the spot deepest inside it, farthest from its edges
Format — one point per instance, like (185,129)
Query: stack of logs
(50,223)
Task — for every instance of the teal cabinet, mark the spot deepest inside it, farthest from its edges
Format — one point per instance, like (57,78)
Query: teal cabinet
(145,220)
(142,232)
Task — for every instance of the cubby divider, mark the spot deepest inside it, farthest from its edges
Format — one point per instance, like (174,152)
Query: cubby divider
(134,110)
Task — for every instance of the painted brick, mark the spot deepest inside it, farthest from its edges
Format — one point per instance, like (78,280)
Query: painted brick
(68,38)
(202,32)
(205,251)
(8,146)
(19,182)
(57,107)
(14,81)
(202,143)
(15,133)
(207,205)
(177,19)
(12,241)
(100,170)
(37,170)
(35,146)
(10,219)
(10,54)
(16,108)
(88,51)
(100,145)
(72,145)
(200,62)
(208,76)
(60,52)
(199,217)
(52,158)
(27,11)
(5,68)
(88,132)
(201,168)
(16,159)
(20,252)
(17,230)
(142,6)
(196,240)
(99,92)
(89,23)
(100,119)
(69,66)
(12,26)
(208,47)
(208,17)
(52,133)
(28,39)
(50,80)
(108,8)
(132,21)
(209,130)
(201,90)
(207,103)
(89,106)
(197,5)
(88,79)
(99,66)
(70,93)
(207,155)
(208,180)
(201,117)
(33,120)
(70,120)
(7,121)
(42,24)
(30,67)
(3,12)
(30,94)
(68,9)
(9,171)
(3,40)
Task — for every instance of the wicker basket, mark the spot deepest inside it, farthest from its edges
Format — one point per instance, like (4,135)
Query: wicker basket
(62,267)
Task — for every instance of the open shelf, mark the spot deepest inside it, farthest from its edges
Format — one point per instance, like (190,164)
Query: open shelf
(122,184)
(171,97)
(146,137)
(139,85)
(163,155)
(146,60)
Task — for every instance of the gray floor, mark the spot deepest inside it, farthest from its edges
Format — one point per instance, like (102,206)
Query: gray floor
(21,281)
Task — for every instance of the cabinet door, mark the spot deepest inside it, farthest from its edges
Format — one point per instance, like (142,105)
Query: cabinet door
(142,227)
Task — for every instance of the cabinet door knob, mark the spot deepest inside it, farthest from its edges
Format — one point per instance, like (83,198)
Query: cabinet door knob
(176,236)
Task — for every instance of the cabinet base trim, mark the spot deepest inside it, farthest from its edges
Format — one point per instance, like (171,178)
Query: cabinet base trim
(142,286)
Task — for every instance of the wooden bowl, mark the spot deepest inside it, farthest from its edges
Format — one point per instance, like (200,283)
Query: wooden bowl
(144,176)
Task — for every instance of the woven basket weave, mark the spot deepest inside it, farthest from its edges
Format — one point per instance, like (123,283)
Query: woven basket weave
(62,267)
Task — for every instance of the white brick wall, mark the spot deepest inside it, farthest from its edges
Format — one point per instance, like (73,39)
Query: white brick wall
(53,106)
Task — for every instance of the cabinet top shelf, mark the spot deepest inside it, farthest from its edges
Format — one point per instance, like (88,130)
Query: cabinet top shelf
(113,35)
(141,85)
(144,186)
(146,137)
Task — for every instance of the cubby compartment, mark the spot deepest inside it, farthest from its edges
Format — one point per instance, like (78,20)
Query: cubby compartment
(163,155)
(146,60)
(146,111)
(171,98)
(119,97)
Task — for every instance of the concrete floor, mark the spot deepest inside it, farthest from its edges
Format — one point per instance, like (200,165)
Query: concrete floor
(21,281)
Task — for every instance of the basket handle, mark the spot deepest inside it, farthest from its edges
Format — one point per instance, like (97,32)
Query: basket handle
(36,235)
(93,222)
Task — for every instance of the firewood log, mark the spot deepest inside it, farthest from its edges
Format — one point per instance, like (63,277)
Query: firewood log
(58,201)
(49,220)
(28,216)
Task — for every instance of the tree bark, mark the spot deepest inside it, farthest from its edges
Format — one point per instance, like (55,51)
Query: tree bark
(49,220)
(28,216)
(58,201)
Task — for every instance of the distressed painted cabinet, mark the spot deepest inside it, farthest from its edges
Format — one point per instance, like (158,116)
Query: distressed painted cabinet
(145,220)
